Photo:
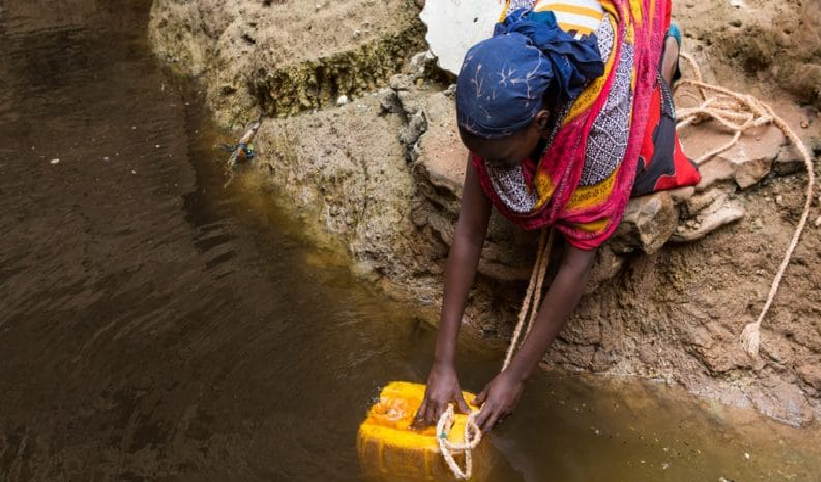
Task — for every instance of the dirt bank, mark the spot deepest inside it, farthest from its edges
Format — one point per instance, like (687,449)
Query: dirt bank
(372,161)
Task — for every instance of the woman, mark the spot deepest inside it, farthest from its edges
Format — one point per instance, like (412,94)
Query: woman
(566,111)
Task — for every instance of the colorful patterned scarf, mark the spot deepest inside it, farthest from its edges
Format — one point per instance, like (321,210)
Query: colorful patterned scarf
(587,214)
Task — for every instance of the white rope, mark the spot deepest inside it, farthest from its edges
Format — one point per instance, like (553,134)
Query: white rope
(737,113)
(473,435)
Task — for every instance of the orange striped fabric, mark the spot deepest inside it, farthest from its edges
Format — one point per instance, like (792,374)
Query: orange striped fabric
(581,16)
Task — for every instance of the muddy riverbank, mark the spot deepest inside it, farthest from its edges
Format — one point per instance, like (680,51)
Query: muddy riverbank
(373,162)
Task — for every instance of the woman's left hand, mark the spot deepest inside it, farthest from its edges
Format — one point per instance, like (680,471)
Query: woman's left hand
(497,400)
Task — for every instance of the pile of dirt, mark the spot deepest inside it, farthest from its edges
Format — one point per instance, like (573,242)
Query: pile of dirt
(373,162)
(283,57)
(772,45)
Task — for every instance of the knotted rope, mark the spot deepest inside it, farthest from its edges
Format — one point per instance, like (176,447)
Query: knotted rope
(737,113)
(527,315)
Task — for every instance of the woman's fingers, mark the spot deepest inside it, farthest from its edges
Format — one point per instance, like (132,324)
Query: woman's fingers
(434,413)
(480,399)
(492,422)
(490,419)
(463,405)
(481,420)
(420,414)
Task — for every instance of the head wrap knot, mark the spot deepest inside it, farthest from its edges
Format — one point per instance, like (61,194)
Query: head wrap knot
(504,79)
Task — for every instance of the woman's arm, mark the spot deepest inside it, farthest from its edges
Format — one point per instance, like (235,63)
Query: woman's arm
(501,395)
(463,259)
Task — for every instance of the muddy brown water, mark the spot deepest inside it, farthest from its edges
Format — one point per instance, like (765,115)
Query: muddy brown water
(155,325)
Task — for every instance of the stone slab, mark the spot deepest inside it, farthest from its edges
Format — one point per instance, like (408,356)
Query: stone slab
(441,151)
(746,163)
(648,223)
(719,213)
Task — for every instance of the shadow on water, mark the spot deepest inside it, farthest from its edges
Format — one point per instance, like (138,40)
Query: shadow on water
(157,326)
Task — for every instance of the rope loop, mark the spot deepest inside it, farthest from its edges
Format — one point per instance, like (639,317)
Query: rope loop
(472,438)
(473,435)
(737,113)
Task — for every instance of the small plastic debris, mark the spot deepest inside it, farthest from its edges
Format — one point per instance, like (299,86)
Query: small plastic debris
(133,171)
(357,33)
(243,150)
(133,128)
(665,466)
(746,456)
(342,100)
(157,146)
(55,161)
(106,158)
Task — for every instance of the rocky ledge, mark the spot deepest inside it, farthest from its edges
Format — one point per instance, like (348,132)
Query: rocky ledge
(373,162)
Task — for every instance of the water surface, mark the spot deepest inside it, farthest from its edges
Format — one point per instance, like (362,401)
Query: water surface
(156,325)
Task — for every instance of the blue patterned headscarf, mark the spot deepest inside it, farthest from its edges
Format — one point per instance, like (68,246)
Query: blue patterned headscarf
(504,79)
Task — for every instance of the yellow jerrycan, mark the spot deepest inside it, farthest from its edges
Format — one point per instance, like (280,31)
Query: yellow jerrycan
(389,449)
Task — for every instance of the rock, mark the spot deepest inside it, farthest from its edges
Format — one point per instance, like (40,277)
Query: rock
(442,154)
(682,194)
(419,62)
(717,214)
(747,162)
(697,203)
(714,171)
(415,128)
(810,374)
(788,162)
(389,101)
(401,82)
(647,224)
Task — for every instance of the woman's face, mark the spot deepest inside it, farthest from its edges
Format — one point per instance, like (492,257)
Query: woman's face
(512,149)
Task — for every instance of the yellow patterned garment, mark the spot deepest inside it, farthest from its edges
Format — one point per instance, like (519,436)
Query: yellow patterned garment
(584,177)
(581,16)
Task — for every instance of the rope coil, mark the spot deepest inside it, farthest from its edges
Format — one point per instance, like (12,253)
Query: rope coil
(737,113)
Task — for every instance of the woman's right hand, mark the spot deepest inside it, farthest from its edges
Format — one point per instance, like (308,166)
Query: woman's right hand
(442,388)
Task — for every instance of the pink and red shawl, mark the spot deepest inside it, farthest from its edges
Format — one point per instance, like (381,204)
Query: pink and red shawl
(588,215)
